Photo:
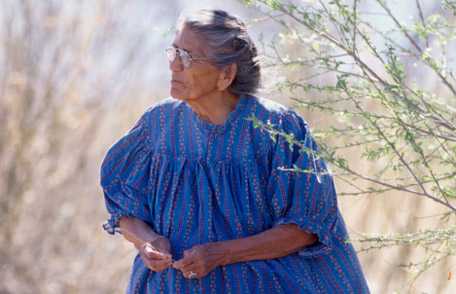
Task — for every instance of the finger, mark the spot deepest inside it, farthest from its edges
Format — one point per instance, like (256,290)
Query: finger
(150,249)
(188,257)
(193,267)
(157,256)
(199,272)
(156,263)
(154,253)
(151,262)
(183,263)
(187,275)
(159,265)
(189,252)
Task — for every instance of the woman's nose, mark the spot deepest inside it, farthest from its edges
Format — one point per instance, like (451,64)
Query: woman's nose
(176,65)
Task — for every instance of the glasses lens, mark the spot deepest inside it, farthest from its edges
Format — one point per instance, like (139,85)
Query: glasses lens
(184,57)
(172,53)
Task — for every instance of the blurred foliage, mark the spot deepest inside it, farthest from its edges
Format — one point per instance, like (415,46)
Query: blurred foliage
(371,81)
(59,80)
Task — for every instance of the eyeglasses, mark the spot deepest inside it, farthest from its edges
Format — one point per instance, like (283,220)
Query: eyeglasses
(173,52)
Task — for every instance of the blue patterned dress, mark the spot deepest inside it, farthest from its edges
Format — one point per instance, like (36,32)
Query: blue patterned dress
(195,182)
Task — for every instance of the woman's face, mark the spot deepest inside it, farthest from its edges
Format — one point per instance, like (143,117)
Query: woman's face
(201,78)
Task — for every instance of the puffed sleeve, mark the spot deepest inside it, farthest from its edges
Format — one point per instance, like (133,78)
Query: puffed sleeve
(307,199)
(125,175)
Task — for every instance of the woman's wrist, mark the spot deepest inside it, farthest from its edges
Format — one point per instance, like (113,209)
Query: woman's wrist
(150,239)
(226,252)
(154,237)
(137,231)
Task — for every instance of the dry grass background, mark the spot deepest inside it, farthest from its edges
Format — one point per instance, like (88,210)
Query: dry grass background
(76,75)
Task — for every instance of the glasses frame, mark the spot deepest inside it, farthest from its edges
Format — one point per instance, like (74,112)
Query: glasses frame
(185,57)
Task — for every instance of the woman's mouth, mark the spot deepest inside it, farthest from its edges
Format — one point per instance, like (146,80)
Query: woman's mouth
(176,82)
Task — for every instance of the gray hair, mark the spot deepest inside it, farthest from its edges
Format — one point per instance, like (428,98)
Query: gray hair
(228,42)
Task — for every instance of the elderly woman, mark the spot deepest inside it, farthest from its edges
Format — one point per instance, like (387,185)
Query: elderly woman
(202,193)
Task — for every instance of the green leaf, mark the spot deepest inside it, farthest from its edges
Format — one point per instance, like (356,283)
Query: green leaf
(341,82)
(273,4)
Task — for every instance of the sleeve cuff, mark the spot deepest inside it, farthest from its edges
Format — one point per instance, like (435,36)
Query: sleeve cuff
(111,226)
(322,247)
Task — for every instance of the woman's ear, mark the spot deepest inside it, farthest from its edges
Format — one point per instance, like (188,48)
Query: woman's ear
(227,76)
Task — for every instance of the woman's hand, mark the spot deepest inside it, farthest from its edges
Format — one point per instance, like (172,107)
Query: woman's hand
(156,254)
(201,260)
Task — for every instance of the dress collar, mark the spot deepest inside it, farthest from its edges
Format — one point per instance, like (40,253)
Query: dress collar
(220,128)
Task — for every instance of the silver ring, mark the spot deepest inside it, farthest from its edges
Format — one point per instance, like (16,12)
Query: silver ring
(192,275)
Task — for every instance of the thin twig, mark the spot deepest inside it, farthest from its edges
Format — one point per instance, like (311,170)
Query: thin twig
(423,22)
